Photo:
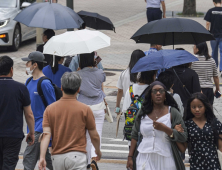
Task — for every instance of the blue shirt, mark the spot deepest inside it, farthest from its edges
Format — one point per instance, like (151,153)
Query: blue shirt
(56,78)
(14,97)
(37,104)
(74,64)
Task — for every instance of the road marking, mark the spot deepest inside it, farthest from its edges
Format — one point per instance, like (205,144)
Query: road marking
(115,145)
(113,151)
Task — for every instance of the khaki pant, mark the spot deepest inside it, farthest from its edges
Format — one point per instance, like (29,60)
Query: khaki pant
(69,161)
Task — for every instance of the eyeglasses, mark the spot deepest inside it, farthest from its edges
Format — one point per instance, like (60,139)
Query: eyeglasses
(161,91)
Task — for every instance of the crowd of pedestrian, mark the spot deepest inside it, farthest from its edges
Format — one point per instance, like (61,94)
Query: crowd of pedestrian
(167,111)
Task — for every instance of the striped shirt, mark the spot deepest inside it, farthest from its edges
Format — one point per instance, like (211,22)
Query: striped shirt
(206,70)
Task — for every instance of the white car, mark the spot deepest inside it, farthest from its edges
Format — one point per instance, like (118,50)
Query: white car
(12,33)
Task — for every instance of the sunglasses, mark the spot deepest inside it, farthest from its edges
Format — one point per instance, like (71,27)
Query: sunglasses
(161,91)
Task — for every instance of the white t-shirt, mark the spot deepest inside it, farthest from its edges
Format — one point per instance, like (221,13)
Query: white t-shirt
(137,90)
(124,81)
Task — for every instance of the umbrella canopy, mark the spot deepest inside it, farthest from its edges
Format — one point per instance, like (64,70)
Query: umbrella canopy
(171,31)
(163,59)
(49,15)
(96,21)
(76,42)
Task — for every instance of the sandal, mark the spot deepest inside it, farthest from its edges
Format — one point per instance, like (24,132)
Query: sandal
(94,165)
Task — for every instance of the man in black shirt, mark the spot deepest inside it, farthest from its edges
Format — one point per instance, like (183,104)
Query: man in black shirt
(214,20)
(14,101)
(47,34)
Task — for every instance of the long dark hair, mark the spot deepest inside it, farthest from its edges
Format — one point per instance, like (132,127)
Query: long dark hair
(147,107)
(87,60)
(203,50)
(209,114)
(136,55)
(56,65)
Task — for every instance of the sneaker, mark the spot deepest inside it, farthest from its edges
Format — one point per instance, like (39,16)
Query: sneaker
(94,165)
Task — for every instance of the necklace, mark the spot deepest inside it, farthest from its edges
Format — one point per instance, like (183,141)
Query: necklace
(156,115)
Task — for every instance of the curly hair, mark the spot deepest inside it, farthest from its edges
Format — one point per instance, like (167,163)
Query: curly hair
(147,107)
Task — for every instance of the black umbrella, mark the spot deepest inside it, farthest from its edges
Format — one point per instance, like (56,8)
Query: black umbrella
(96,21)
(172,31)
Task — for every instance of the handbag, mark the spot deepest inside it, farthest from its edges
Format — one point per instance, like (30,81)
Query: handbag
(108,114)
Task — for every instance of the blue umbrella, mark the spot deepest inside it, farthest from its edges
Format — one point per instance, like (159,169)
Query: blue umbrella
(163,59)
(49,15)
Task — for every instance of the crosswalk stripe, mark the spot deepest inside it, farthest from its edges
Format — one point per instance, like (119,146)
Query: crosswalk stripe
(115,145)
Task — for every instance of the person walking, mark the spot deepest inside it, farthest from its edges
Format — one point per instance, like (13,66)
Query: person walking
(34,67)
(13,102)
(138,88)
(55,72)
(153,10)
(47,34)
(68,127)
(167,78)
(206,69)
(91,93)
(156,121)
(186,82)
(204,134)
(126,78)
(153,48)
(213,19)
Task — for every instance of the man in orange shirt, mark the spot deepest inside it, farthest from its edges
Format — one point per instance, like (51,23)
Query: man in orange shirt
(66,121)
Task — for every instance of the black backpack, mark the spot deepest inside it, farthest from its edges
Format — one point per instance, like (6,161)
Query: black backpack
(58,91)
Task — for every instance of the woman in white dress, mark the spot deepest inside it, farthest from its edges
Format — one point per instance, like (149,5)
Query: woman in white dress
(155,117)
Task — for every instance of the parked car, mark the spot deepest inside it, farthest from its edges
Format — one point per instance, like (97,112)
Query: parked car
(12,33)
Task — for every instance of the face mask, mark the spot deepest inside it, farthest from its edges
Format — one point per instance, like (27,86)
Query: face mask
(29,71)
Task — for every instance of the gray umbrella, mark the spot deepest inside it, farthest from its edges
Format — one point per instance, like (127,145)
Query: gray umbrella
(49,15)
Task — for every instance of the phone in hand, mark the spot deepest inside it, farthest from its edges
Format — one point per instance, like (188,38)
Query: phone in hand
(217,94)
(97,60)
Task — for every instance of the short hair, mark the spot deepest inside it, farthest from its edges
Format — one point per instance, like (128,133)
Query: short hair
(152,45)
(217,1)
(40,64)
(87,60)
(49,33)
(147,77)
(6,63)
(83,26)
(167,78)
(71,81)
(179,49)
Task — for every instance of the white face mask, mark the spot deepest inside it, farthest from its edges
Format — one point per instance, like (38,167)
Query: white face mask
(29,71)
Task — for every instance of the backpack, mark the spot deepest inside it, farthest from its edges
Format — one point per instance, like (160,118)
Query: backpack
(131,112)
(58,92)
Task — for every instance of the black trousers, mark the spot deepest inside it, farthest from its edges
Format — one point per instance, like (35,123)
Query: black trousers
(153,14)
(9,151)
(209,92)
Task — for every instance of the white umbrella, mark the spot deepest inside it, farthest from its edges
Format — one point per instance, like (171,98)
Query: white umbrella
(76,42)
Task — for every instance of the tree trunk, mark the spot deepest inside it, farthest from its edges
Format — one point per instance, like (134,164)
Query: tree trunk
(189,7)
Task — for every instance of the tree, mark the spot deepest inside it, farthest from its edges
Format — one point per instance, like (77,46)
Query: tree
(189,7)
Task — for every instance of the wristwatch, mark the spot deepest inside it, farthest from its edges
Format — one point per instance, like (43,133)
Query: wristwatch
(171,135)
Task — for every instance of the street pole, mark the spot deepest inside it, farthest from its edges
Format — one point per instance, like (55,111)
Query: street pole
(39,32)
(70,4)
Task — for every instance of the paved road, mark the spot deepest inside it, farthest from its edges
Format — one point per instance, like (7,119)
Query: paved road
(128,16)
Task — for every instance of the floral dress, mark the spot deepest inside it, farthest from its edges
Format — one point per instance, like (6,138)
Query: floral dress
(203,151)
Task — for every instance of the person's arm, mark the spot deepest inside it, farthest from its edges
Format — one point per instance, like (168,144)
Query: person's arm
(181,146)
(131,152)
(48,91)
(164,9)
(217,84)
(220,143)
(196,83)
(95,139)
(162,127)
(30,122)
(208,26)
(44,146)
(118,99)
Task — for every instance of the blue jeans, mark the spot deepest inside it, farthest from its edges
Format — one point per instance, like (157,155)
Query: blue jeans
(214,45)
